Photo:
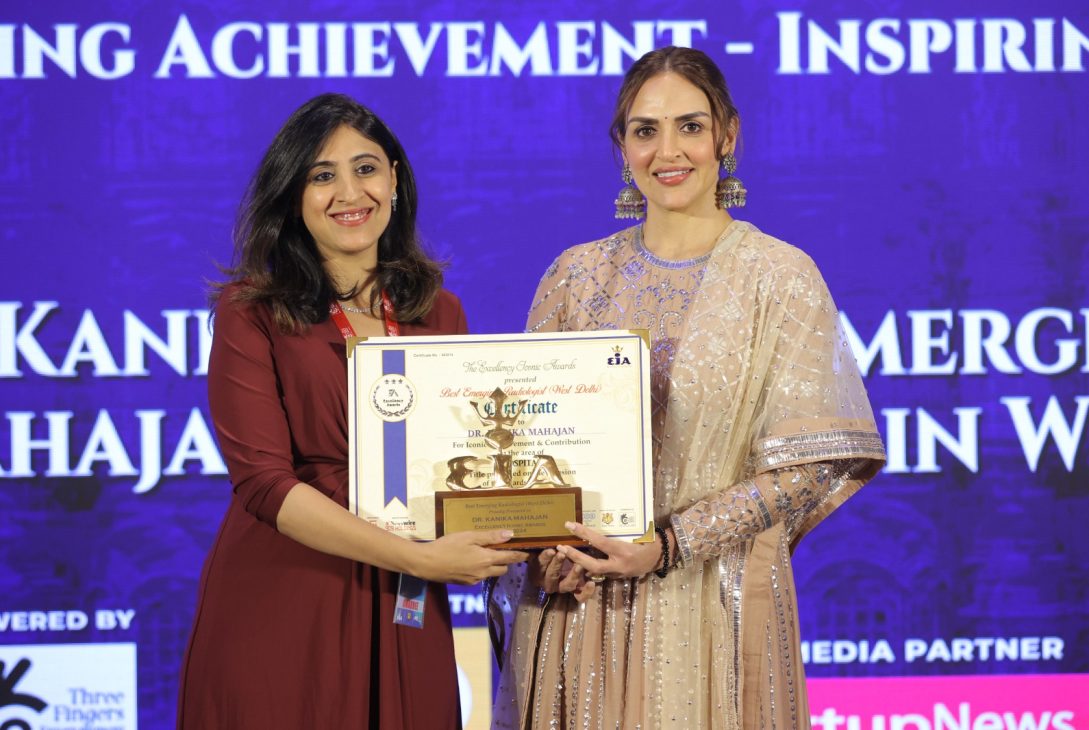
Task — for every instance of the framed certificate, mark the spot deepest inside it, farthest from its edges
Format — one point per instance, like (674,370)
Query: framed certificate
(524,431)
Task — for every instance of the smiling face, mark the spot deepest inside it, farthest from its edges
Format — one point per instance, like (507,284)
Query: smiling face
(669,144)
(346,204)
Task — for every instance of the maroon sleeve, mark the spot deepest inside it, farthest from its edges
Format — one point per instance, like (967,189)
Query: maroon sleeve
(447,317)
(244,394)
(462,327)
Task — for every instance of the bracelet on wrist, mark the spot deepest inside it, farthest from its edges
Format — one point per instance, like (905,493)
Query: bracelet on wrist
(664,570)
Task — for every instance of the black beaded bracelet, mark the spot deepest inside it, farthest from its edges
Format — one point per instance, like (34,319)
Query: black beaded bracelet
(661,572)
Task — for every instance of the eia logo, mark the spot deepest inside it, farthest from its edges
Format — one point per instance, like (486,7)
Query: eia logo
(618,357)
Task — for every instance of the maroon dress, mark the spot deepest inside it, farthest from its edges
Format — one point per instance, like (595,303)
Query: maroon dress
(286,636)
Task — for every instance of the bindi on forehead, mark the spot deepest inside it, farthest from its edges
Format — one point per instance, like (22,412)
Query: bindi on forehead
(688,116)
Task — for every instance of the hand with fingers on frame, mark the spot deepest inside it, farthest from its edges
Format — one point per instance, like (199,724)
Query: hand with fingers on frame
(468,557)
(621,559)
(553,573)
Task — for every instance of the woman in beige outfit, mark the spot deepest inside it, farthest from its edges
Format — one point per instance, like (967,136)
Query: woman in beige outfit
(761,428)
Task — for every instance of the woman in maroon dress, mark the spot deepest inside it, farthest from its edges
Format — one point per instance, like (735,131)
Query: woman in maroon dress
(294,625)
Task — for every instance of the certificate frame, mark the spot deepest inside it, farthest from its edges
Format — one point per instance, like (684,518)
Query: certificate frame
(584,398)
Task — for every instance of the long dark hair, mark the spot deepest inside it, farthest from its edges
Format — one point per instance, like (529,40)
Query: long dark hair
(693,65)
(276,259)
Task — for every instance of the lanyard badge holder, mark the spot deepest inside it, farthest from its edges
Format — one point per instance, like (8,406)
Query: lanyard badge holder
(411,591)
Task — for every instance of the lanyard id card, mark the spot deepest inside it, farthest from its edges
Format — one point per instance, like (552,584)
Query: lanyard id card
(411,597)
(411,591)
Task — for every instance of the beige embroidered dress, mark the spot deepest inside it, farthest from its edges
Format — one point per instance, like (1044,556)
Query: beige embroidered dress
(761,429)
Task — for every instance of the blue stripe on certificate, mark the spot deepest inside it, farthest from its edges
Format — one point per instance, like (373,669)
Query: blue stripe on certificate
(394,435)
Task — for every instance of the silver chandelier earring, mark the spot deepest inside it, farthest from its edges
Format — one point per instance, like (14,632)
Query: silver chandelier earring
(629,202)
(393,201)
(730,192)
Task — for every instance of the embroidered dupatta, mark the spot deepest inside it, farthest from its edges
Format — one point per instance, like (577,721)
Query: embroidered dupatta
(761,381)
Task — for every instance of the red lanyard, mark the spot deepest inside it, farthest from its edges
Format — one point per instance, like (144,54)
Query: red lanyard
(393,329)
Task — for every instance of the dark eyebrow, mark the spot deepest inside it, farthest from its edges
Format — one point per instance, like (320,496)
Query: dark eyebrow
(680,118)
(357,158)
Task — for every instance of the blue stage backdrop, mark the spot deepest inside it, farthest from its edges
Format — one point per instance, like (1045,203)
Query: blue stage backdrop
(930,156)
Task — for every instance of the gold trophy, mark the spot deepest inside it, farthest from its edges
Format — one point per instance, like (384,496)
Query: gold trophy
(524,493)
